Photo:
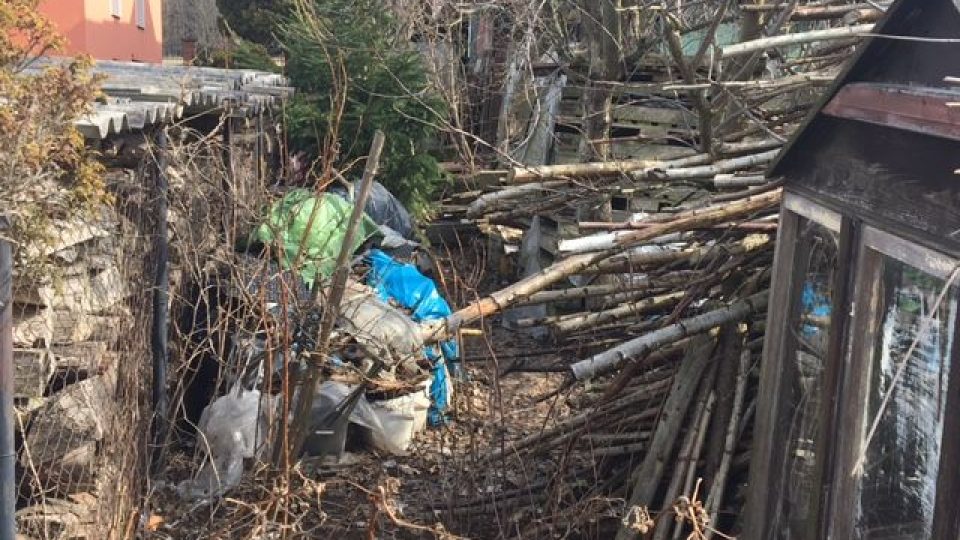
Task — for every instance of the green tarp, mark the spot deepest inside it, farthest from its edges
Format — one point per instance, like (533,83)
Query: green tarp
(313,253)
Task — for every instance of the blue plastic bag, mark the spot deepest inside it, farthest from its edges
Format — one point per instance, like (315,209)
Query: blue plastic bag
(404,284)
(814,303)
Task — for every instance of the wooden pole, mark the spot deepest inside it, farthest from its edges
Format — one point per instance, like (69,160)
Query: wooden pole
(715,498)
(300,424)
(8,453)
(646,477)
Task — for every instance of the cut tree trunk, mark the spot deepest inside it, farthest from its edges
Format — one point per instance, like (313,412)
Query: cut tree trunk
(63,438)
(32,369)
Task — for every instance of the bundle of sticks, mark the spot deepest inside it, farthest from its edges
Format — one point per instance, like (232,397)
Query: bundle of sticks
(657,315)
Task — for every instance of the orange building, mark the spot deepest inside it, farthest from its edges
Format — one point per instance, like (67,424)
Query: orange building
(130,30)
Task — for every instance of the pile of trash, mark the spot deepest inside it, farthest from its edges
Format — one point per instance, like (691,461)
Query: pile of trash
(382,385)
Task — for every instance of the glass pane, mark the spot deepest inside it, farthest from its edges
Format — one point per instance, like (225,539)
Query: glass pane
(896,486)
(810,328)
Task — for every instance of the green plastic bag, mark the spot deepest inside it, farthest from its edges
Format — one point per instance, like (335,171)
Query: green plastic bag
(286,226)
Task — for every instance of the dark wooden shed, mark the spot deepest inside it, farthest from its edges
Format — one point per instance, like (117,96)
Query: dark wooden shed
(858,425)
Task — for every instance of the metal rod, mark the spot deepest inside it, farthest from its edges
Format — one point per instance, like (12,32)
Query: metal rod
(161,295)
(8,454)
(229,177)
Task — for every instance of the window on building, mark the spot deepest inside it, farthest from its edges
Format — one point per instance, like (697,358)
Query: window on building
(815,253)
(899,400)
(116,9)
(141,13)
(862,374)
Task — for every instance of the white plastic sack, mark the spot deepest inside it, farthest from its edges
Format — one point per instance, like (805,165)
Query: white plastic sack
(382,329)
(390,424)
(402,419)
(232,428)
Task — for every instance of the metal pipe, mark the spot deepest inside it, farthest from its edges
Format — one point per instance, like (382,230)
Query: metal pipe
(161,296)
(8,453)
(229,176)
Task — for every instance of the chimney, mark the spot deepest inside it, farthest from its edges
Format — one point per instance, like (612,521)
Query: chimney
(188,49)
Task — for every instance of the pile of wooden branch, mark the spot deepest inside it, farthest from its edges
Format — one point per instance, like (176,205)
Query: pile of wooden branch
(646,260)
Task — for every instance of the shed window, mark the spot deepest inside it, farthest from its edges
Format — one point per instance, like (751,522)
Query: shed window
(898,477)
(811,236)
(910,310)
(141,13)
(810,328)
(116,9)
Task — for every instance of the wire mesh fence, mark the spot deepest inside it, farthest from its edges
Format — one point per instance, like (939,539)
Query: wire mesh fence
(81,327)
(93,397)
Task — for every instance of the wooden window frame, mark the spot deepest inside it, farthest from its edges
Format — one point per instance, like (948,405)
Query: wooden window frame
(877,244)
(141,14)
(769,451)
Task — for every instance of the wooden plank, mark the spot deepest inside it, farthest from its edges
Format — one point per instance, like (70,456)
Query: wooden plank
(654,115)
(32,369)
(763,487)
(818,524)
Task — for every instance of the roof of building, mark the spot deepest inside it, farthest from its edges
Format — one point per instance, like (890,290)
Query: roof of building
(911,48)
(141,95)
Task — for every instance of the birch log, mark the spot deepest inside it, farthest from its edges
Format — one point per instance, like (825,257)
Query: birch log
(597,168)
(720,167)
(488,201)
(742,147)
(633,309)
(612,359)
(639,168)
(633,262)
(755,45)
(727,181)
(715,498)
(687,460)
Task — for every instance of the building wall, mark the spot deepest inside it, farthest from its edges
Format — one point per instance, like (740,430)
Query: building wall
(68,15)
(97,32)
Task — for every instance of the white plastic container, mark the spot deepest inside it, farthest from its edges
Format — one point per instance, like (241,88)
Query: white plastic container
(402,419)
